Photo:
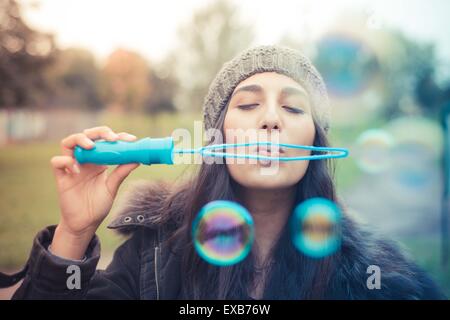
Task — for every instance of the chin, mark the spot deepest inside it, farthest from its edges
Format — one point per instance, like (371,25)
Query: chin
(262,177)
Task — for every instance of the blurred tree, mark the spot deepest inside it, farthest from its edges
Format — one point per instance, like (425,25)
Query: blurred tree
(214,35)
(432,95)
(164,86)
(126,80)
(24,54)
(75,80)
(405,65)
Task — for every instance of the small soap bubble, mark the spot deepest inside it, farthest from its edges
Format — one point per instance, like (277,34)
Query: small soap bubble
(316,227)
(223,233)
(373,153)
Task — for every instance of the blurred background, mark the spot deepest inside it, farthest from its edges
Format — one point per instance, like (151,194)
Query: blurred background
(144,67)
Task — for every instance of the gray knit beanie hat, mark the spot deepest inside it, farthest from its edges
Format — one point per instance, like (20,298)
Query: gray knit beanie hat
(259,59)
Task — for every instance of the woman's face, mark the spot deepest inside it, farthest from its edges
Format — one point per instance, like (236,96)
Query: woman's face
(278,108)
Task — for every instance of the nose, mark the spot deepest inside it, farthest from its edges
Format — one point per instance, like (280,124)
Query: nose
(271,120)
(270,125)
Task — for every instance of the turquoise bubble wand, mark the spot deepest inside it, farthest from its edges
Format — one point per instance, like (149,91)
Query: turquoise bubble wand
(161,151)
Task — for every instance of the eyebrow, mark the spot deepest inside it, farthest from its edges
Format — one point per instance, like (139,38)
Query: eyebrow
(291,91)
(286,91)
(250,88)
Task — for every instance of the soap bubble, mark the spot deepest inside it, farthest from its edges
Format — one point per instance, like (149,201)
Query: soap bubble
(427,133)
(418,151)
(223,233)
(347,64)
(316,227)
(373,150)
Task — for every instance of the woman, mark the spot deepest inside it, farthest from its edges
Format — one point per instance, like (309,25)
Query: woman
(269,89)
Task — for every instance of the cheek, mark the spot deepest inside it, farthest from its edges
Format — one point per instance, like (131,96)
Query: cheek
(231,120)
(297,170)
(227,121)
(237,120)
(302,131)
(229,126)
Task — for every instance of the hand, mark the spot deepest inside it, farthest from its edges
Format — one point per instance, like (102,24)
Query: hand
(85,192)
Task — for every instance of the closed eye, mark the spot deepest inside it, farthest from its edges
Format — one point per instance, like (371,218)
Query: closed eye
(248,106)
(294,109)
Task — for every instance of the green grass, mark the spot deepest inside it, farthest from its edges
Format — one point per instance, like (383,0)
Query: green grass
(346,169)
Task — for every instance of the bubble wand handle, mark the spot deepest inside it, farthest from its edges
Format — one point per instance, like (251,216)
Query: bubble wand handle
(145,151)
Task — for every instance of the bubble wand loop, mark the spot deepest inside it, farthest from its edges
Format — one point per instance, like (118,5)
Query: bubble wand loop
(340,152)
(161,151)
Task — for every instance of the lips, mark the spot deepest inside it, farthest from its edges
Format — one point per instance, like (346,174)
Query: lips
(269,151)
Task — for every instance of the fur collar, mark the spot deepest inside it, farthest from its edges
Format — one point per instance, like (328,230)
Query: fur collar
(141,205)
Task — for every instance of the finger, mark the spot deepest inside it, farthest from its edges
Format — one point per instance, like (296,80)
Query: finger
(102,132)
(118,175)
(64,164)
(69,143)
(90,167)
(126,136)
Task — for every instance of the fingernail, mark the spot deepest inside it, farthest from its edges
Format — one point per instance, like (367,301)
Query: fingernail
(76,169)
(131,136)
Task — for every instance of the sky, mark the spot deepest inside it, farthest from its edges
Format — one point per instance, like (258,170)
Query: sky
(150,27)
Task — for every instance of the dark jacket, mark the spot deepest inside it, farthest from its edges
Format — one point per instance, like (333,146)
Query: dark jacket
(144,267)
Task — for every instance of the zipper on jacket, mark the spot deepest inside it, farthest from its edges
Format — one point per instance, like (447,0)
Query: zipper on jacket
(156,272)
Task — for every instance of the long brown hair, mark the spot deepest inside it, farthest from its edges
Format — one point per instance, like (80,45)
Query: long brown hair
(292,276)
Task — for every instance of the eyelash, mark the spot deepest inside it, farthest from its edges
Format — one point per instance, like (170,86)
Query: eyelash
(294,110)
(248,106)
(252,106)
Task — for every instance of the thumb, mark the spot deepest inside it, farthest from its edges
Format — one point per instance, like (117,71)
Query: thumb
(118,175)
